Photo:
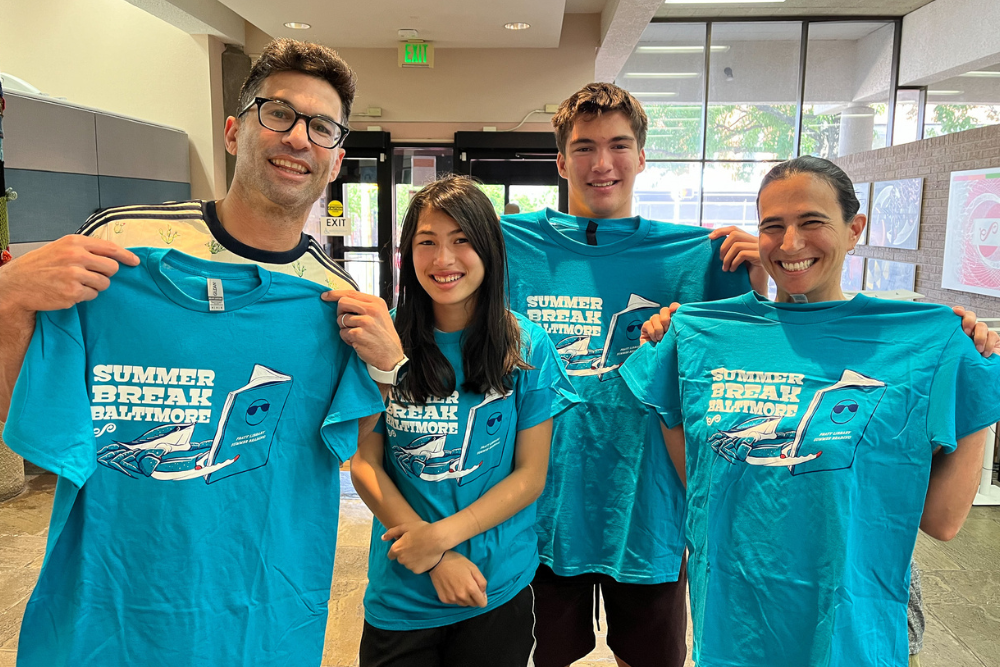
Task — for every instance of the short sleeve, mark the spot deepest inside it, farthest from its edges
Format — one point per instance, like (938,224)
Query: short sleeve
(380,425)
(651,373)
(546,390)
(355,395)
(722,284)
(49,422)
(965,392)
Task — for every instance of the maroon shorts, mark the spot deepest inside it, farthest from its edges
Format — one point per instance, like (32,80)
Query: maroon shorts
(647,623)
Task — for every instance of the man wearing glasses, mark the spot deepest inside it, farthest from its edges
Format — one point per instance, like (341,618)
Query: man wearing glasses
(287,139)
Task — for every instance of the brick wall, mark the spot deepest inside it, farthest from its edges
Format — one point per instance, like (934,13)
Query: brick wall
(934,160)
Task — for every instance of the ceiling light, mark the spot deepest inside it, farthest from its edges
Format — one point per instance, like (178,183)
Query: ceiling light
(716,2)
(295,25)
(680,49)
(662,75)
(945,92)
(516,26)
(982,74)
(636,94)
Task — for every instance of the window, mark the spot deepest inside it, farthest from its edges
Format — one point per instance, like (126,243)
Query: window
(963,102)
(846,88)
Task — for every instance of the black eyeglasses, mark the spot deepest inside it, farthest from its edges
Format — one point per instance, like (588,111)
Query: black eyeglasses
(279,116)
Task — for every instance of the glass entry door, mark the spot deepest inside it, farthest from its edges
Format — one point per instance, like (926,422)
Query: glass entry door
(362,194)
(516,168)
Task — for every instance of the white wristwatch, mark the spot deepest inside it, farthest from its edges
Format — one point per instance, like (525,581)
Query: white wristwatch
(387,377)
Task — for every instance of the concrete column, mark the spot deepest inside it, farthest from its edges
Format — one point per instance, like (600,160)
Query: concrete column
(11,471)
(857,128)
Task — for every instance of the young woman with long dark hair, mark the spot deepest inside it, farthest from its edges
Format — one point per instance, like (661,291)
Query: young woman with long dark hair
(455,466)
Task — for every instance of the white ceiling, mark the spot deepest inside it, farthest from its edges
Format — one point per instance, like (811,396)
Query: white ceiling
(795,8)
(447,23)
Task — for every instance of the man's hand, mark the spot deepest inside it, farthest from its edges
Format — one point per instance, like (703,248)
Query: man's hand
(56,276)
(61,274)
(654,328)
(741,247)
(986,341)
(366,326)
(418,545)
(457,580)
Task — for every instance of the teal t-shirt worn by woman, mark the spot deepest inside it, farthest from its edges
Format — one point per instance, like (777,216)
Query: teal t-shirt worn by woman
(810,430)
(443,456)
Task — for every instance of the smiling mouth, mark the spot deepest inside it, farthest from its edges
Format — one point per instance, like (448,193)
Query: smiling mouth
(800,265)
(444,280)
(603,184)
(288,166)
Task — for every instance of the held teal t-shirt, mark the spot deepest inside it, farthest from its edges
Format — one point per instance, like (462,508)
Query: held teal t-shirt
(445,455)
(810,430)
(612,502)
(198,454)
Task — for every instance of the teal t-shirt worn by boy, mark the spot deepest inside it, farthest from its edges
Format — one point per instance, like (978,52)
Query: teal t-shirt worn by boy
(443,456)
(198,443)
(810,430)
(612,502)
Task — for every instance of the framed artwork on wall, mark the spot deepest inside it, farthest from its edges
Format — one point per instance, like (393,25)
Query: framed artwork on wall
(852,275)
(895,213)
(864,194)
(972,236)
(881,274)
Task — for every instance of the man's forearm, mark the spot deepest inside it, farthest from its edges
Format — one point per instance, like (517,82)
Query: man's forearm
(16,328)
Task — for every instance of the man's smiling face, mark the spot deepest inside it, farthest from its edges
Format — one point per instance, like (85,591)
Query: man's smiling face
(285,167)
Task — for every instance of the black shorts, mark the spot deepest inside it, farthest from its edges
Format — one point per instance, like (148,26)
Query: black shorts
(501,637)
(647,623)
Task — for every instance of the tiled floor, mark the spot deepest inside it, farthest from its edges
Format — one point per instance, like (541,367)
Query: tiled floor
(961,581)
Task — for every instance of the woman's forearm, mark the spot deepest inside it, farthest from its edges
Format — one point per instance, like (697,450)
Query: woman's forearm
(509,496)
(375,487)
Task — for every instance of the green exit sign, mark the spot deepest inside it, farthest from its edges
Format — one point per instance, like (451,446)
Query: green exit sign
(416,54)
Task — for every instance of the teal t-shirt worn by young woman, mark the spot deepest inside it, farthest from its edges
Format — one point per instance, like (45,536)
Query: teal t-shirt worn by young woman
(810,430)
(446,454)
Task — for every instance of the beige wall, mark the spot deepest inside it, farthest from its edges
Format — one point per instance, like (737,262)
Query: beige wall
(470,88)
(113,56)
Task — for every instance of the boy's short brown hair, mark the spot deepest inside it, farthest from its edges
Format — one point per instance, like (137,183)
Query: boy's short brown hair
(596,99)
(289,55)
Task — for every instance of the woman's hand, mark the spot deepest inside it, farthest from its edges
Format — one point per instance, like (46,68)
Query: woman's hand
(986,341)
(457,580)
(418,546)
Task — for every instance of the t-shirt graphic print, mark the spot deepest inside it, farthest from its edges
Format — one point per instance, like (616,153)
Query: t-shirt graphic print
(242,441)
(832,426)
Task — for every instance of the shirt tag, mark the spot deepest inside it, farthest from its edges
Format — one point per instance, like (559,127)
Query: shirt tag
(216,301)
(799,298)
(591,233)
